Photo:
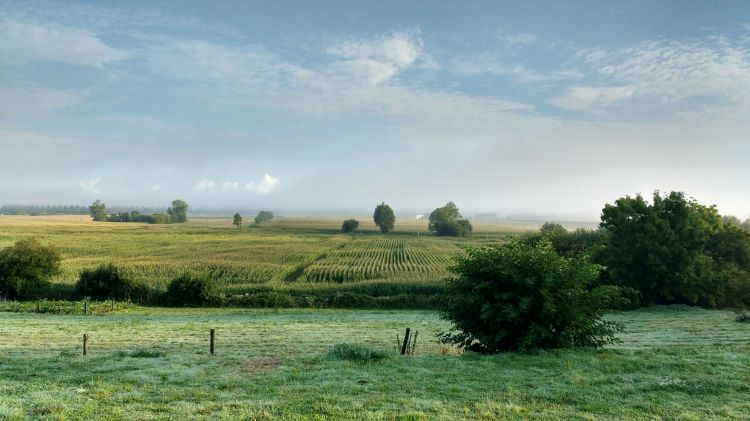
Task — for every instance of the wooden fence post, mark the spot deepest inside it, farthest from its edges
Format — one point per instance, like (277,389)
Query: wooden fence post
(406,341)
(113,303)
(85,344)
(85,308)
(213,338)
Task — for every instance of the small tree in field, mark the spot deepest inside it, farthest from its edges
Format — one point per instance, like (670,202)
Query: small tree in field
(98,210)
(516,297)
(237,220)
(447,221)
(263,216)
(384,217)
(178,211)
(350,225)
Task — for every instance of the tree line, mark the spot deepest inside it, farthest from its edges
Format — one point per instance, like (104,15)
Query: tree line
(175,214)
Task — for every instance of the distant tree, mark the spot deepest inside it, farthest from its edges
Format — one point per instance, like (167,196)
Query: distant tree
(350,225)
(25,269)
(178,211)
(263,216)
(566,243)
(98,210)
(447,221)
(731,220)
(237,220)
(746,224)
(552,229)
(659,248)
(384,217)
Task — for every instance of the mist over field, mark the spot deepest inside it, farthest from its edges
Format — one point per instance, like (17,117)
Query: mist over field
(335,107)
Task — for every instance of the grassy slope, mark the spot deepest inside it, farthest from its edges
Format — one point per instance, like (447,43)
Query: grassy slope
(674,363)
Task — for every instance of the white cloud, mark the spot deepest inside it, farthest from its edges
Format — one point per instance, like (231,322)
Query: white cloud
(378,60)
(22,101)
(230,185)
(34,42)
(205,184)
(90,186)
(264,186)
(156,187)
(587,98)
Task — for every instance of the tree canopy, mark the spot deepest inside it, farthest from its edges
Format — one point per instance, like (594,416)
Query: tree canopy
(659,248)
(447,221)
(263,216)
(237,220)
(350,225)
(384,217)
(98,210)
(178,211)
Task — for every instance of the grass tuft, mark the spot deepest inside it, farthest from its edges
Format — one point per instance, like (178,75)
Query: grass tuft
(357,352)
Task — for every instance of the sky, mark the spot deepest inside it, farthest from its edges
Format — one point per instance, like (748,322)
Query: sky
(538,107)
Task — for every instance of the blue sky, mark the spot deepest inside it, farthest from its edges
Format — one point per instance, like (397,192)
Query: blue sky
(539,107)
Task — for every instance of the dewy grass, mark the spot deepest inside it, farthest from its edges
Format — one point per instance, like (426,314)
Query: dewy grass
(672,364)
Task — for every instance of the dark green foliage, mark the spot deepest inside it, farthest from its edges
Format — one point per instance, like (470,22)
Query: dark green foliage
(25,269)
(98,210)
(566,243)
(178,211)
(659,248)
(263,216)
(350,225)
(107,281)
(515,297)
(447,221)
(357,352)
(730,245)
(237,220)
(140,353)
(384,217)
(193,290)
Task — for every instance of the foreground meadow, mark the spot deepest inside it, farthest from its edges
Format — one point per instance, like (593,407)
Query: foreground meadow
(675,363)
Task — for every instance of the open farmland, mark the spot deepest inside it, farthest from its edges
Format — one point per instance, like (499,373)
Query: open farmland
(294,251)
(674,362)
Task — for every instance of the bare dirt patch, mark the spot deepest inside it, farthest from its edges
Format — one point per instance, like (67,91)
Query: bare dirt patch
(260,365)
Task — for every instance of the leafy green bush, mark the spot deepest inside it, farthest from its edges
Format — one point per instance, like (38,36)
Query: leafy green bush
(193,289)
(357,352)
(519,297)
(350,225)
(263,216)
(25,269)
(107,281)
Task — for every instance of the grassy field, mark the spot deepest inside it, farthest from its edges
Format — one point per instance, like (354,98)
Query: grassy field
(295,250)
(674,363)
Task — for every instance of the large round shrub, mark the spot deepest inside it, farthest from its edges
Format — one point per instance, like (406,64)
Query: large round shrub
(193,289)
(350,225)
(25,269)
(519,297)
(107,281)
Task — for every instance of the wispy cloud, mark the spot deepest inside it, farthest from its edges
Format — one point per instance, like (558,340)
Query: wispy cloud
(667,71)
(587,98)
(27,41)
(90,186)
(517,39)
